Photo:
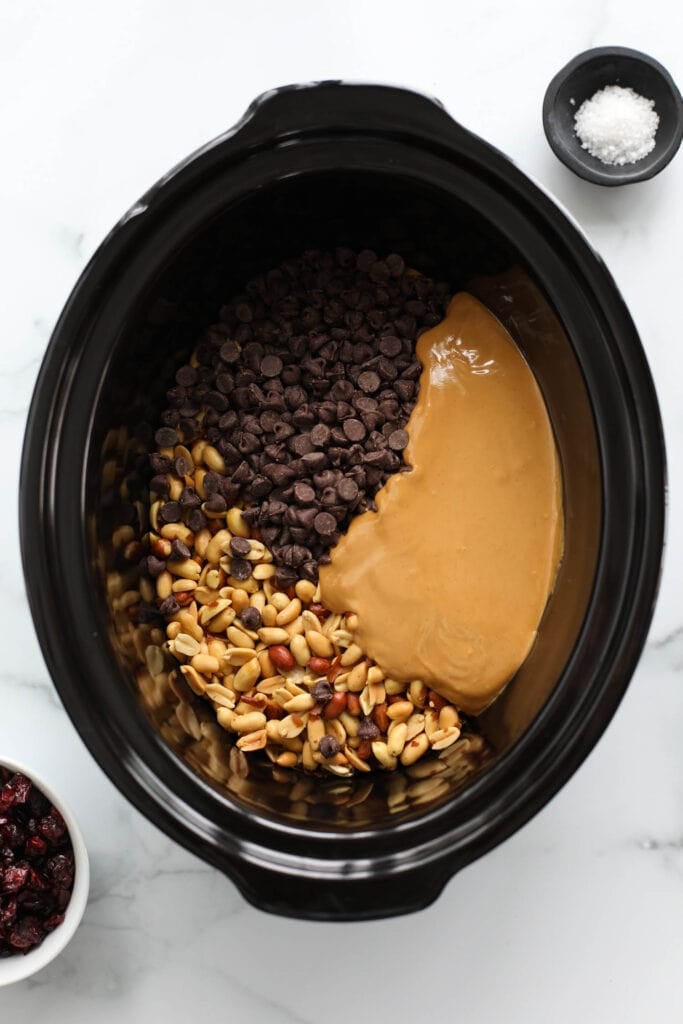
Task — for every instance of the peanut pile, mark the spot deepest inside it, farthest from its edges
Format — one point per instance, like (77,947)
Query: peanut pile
(282,673)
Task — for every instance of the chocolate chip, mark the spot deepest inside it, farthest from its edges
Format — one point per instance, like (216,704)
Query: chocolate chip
(182,466)
(294,555)
(170,512)
(240,569)
(327,412)
(309,571)
(379,272)
(248,443)
(369,382)
(301,444)
(271,366)
(160,484)
(166,437)
(412,372)
(278,473)
(230,351)
(315,461)
(283,431)
(189,498)
(306,516)
(250,617)
(286,577)
(354,429)
(328,747)
(347,489)
(212,483)
(269,420)
(259,487)
(367,730)
(374,458)
(225,382)
(304,493)
(186,376)
(216,503)
(325,524)
(197,520)
(155,566)
(231,455)
(240,546)
(405,389)
(160,464)
(387,369)
(273,511)
(390,345)
(398,439)
(396,264)
(179,551)
(322,692)
(344,410)
(169,606)
(320,435)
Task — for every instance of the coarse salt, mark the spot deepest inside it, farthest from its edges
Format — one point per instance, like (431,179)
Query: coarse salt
(617,125)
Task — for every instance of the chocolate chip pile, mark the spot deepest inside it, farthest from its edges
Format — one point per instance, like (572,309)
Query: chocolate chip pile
(36,865)
(303,390)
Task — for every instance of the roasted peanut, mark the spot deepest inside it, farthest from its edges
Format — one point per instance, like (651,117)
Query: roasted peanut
(289,612)
(335,706)
(281,657)
(351,655)
(300,650)
(247,675)
(305,591)
(414,749)
(400,711)
(273,635)
(318,643)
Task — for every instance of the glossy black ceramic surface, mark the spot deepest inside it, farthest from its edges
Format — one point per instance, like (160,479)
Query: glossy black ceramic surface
(317,166)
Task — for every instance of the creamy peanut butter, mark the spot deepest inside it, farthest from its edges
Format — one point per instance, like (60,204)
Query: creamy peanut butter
(450,576)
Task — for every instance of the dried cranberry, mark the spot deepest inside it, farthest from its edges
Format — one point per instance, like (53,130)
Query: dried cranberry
(62,897)
(13,836)
(15,791)
(52,922)
(14,878)
(52,826)
(35,847)
(35,903)
(60,869)
(36,881)
(35,892)
(8,911)
(26,933)
(38,803)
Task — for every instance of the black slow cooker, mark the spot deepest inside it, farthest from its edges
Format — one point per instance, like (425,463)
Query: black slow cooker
(319,166)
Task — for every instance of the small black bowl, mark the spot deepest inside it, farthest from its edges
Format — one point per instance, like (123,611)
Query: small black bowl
(585,75)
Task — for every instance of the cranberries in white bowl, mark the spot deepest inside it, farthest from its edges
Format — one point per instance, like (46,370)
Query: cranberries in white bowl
(44,873)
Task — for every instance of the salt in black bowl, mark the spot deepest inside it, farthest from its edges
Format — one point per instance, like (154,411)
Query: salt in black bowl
(585,75)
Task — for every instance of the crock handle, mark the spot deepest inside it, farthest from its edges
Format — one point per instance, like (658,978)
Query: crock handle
(326,107)
(314,898)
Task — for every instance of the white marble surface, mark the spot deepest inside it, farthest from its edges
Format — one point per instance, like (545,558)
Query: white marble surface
(578,916)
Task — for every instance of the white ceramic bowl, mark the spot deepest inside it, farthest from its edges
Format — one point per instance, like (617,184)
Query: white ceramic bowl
(16,968)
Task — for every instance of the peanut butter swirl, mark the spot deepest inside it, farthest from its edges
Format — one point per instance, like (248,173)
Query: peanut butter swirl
(450,577)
